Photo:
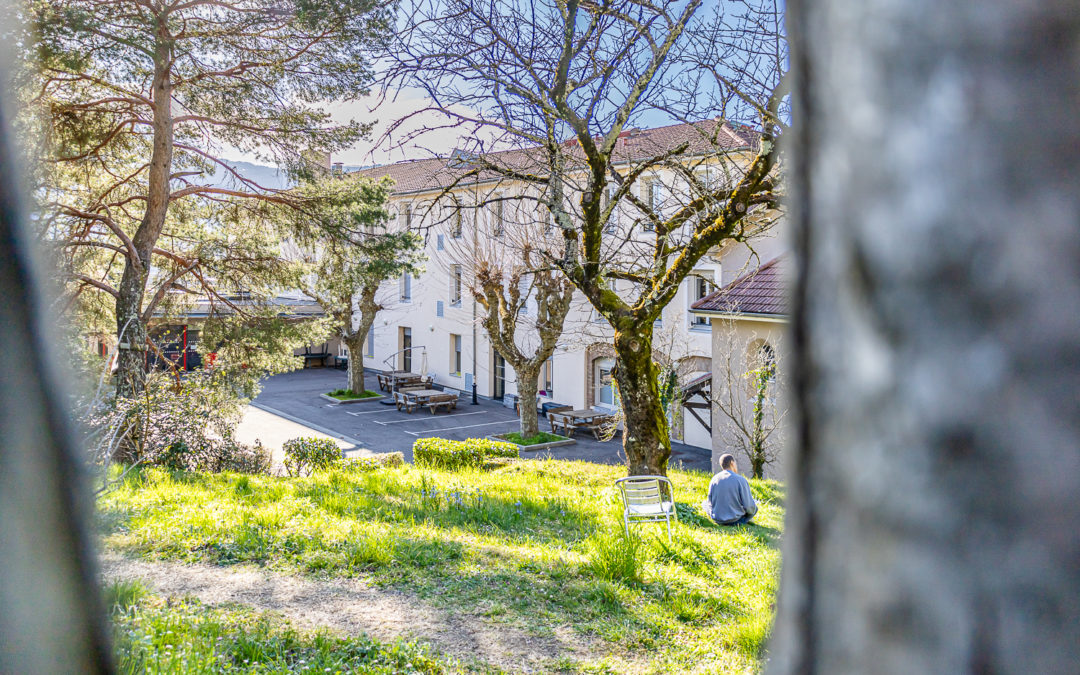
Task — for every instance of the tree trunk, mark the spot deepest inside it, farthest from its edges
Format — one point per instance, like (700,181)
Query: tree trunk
(368,308)
(646,439)
(130,326)
(354,342)
(934,490)
(527,387)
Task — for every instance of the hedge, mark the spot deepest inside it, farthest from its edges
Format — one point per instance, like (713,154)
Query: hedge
(446,454)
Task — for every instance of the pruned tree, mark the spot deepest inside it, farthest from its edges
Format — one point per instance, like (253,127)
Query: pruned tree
(562,83)
(349,250)
(140,101)
(524,299)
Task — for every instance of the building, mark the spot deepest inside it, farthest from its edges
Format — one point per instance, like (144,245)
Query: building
(430,323)
(749,318)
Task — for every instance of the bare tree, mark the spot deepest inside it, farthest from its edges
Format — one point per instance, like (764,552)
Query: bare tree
(139,101)
(934,492)
(525,300)
(563,83)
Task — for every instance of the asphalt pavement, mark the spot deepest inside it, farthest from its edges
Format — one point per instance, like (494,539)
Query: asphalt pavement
(372,427)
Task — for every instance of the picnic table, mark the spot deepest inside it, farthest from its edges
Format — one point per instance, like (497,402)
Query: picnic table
(392,379)
(585,419)
(418,398)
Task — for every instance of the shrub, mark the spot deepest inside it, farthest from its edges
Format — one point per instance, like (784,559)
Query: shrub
(306,455)
(380,461)
(446,454)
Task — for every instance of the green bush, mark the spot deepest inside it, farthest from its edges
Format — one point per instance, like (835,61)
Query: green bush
(446,454)
(380,461)
(306,455)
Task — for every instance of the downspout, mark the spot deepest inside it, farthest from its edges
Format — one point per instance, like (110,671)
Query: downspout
(476,217)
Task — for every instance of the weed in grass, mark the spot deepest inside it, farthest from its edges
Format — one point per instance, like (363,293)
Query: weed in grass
(616,557)
(124,593)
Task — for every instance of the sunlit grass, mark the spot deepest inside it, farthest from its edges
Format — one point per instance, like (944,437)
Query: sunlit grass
(536,544)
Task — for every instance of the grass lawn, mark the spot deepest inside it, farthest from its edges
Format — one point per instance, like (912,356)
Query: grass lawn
(350,395)
(540,437)
(536,545)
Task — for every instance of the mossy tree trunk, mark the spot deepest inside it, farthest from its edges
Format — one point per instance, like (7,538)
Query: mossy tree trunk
(646,437)
(527,374)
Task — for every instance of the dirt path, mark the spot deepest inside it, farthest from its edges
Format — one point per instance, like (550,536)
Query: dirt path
(352,607)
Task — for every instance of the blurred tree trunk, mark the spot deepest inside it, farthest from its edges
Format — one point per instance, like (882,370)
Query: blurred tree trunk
(935,493)
(51,619)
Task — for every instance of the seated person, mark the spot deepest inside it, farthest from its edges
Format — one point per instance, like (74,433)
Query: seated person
(729,501)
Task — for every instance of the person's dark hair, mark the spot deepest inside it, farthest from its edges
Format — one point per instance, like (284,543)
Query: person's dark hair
(727,461)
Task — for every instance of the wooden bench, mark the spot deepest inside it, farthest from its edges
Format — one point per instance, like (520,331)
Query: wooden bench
(595,425)
(558,419)
(448,401)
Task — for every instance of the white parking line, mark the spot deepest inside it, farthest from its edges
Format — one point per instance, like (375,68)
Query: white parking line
(467,426)
(370,412)
(427,419)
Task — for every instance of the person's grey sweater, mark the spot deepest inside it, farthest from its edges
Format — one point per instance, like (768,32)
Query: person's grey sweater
(729,498)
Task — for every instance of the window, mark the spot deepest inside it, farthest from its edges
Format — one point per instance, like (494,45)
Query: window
(547,380)
(767,359)
(604,393)
(407,213)
(406,349)
(699,287)
(613,217)
(455,285)
(439,245)
(455,355)
(652,199)
(456,221)
(500,214)
(371,342)
(524,288)
(405,287)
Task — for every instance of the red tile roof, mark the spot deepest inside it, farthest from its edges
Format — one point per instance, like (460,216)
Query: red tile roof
(760,292)
(636,144)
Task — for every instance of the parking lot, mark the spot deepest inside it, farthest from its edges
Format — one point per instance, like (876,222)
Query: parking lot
(292,400)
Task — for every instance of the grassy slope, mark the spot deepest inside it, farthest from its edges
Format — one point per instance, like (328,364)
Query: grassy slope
(152,636)
(535,543)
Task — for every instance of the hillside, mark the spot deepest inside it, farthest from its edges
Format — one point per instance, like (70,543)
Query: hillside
(532,551)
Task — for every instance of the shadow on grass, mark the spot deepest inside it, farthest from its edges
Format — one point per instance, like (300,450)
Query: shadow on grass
(690,515)
(545,520)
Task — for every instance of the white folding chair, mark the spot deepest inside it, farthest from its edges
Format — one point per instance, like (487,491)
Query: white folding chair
(644,502)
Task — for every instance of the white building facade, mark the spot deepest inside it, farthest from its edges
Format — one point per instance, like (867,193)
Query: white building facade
(437,312)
